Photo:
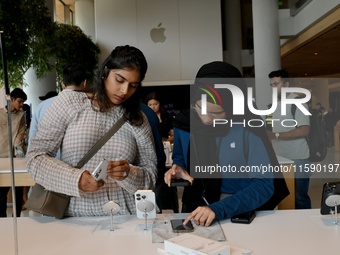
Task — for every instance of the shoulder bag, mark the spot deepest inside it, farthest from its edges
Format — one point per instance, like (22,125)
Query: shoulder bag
(54,204)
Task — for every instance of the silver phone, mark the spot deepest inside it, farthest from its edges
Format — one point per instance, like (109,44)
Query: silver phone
(99,173)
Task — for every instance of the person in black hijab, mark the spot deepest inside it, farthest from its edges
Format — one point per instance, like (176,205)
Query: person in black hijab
(235,145)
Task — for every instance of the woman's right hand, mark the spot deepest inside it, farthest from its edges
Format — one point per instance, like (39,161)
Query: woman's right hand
(177,172)
(88,184)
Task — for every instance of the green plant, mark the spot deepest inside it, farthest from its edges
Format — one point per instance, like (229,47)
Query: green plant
(26,26)
(71,45)
(33,40)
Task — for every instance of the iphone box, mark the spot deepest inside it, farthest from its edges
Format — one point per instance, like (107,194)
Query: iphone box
(195,245)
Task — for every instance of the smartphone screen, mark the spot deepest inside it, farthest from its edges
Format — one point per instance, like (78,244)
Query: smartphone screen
(99,173)
(177,226)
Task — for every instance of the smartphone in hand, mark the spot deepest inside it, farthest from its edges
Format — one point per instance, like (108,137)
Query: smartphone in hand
(179,182)
(100,172)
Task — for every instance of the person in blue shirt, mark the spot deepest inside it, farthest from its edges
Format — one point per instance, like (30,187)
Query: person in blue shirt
(199,143)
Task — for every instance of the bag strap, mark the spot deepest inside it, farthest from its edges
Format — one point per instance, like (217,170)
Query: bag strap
(100,142)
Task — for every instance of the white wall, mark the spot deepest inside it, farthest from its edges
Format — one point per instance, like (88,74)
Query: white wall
(192,27)
(38,87)
(84,16)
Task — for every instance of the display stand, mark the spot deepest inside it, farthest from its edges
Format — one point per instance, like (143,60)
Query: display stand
(334,201)
(145,205)
(112,208)
(147,208)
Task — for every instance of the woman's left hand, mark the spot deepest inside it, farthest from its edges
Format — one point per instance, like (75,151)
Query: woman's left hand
(202,215)
(118,170)
(88,184)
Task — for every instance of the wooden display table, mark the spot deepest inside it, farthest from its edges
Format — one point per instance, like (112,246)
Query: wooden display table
(22,178)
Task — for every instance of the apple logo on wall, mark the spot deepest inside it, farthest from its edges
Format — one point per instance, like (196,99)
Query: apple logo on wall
(157,34)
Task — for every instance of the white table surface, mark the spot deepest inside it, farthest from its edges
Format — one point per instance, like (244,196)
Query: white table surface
(279,232)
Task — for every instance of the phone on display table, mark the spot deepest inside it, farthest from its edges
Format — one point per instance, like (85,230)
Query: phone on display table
(245,218)
(178,227)
(179,182)
(329,189)
(99,173)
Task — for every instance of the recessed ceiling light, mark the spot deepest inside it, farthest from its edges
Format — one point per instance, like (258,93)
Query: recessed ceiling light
(315,53)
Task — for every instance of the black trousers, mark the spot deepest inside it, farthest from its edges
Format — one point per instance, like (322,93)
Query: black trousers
(3,200)
(166,197)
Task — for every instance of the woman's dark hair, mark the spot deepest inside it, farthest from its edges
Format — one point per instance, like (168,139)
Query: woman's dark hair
(166,119)
(122,57)
(219,72)
(155,96)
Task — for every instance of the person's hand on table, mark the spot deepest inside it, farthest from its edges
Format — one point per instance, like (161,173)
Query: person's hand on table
(177,172)
(202,215)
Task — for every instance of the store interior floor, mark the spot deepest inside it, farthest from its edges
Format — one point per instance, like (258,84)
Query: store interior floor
(315,188)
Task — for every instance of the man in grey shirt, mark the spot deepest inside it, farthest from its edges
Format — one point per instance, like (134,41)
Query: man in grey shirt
(289,141)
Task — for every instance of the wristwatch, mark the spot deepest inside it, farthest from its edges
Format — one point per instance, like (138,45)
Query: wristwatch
(277,136)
